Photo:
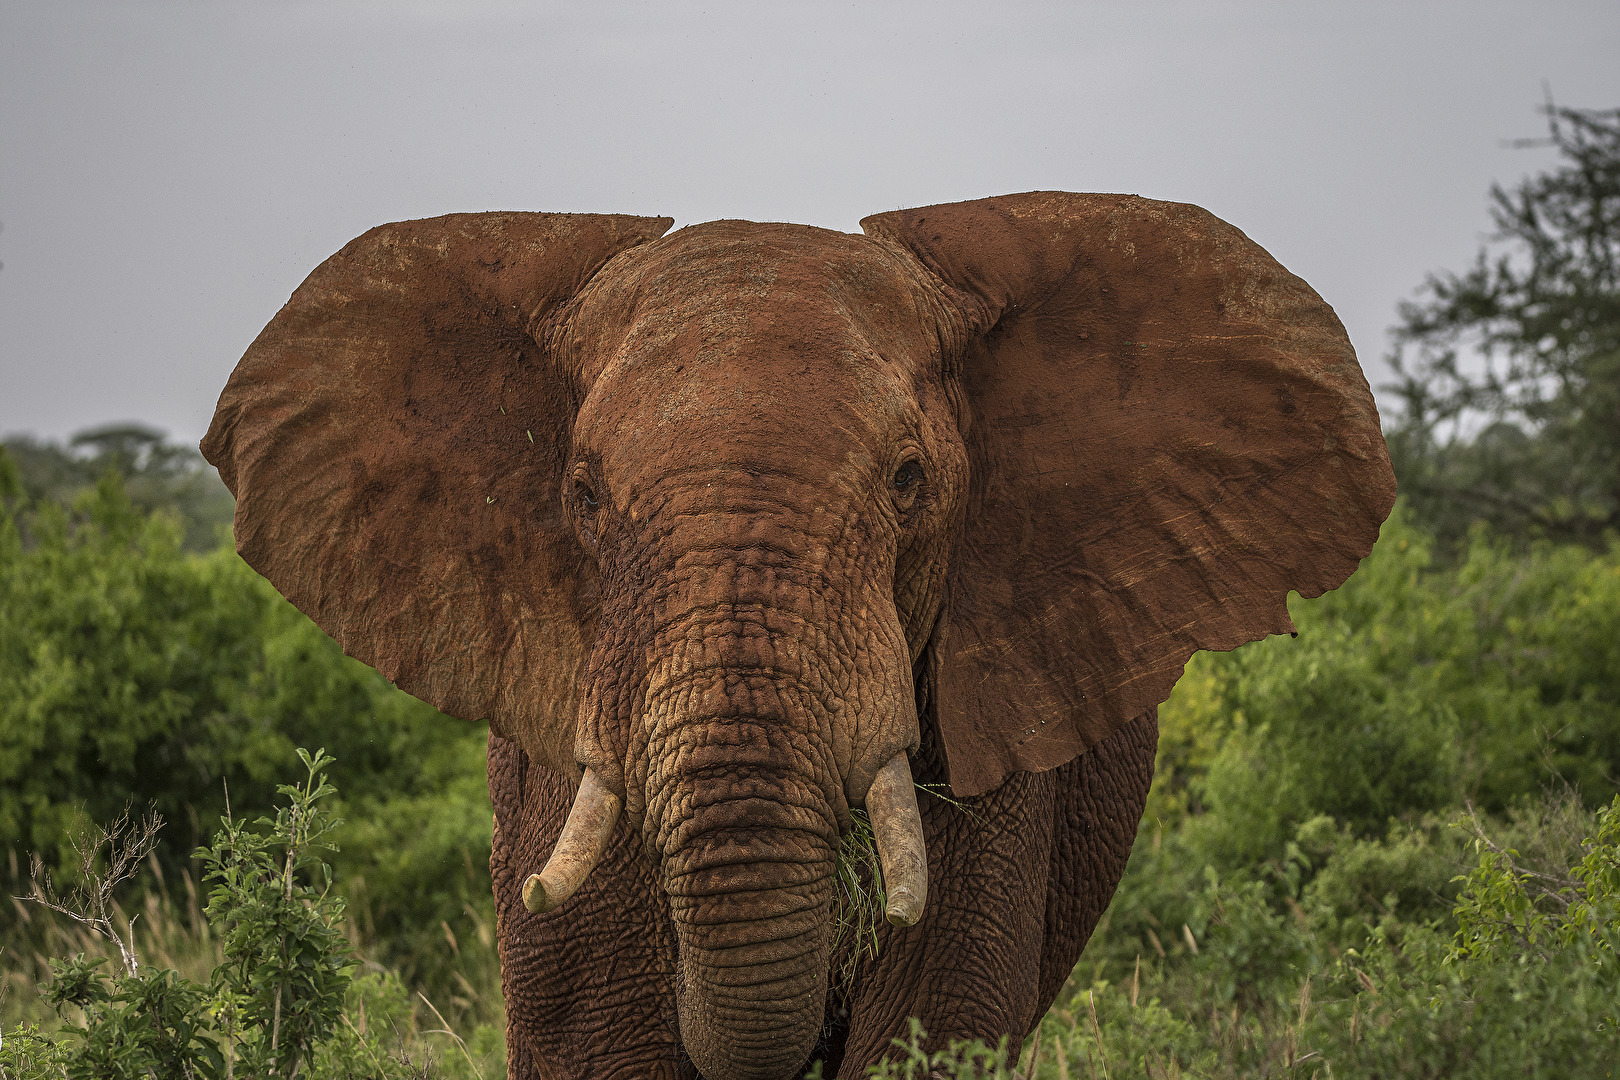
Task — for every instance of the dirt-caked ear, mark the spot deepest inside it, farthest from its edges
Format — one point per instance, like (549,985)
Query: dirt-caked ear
(395,441)
(1167,432)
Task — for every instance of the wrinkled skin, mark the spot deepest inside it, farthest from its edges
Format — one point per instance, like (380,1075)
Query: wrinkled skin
(968,490)
(766,588)
(1016,891)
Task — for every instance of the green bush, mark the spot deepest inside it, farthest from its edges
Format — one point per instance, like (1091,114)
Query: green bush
(1293,885)
(1520,977)
(131,669)
(1408,691)
(157,474)
(283,999)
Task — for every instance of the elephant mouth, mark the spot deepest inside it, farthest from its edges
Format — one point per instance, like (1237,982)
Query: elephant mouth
(891,807)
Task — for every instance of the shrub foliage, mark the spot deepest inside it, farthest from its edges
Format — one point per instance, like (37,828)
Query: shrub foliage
(1384,848)
(278,1003)
(133,670)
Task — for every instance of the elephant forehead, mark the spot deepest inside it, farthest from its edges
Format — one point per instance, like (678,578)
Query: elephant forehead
(728,291)
(761,347)
(752,391)
(740,426)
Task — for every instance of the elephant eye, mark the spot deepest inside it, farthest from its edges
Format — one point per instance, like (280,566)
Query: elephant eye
(907,475)
(586,497)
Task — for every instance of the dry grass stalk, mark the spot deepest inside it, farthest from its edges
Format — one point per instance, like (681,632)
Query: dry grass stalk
(1096,1028)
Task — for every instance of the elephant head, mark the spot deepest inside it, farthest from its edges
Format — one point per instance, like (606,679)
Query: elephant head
(716,521)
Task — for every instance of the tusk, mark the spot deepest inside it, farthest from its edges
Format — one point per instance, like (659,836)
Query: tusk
(584,838)
(891,806)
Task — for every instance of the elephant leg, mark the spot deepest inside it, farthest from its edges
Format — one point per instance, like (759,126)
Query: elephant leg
(588,986)
(1017,882)
(1100,797)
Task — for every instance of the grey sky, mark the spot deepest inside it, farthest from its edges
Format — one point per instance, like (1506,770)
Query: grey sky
(169,172)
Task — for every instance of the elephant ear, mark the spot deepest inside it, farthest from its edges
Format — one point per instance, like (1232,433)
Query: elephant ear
(395,439)
(1167,432)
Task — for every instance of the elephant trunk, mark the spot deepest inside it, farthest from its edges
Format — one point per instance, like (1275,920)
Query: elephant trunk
(774,690)
(750,904)
(741,812)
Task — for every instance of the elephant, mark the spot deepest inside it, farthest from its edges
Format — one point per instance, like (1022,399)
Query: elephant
(743,534)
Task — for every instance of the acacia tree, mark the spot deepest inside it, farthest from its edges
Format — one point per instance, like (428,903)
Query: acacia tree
(1509,373)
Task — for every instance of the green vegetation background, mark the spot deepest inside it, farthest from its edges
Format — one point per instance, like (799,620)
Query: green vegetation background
(1381,848)
(136,668)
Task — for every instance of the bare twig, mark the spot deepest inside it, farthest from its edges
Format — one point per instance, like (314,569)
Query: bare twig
(363,1044)
(1034,1054)
(127,840)
(1562,883)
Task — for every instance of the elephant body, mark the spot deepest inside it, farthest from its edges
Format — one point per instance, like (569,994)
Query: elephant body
(1024,874)
(736,534)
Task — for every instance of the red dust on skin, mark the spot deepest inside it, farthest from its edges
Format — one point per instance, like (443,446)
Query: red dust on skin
(751,392)
(735,515)
(737,492)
